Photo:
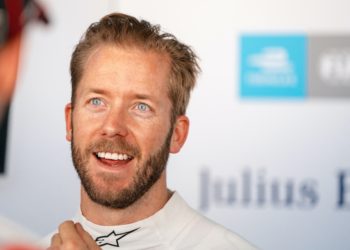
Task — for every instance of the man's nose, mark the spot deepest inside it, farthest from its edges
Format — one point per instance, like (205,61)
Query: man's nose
(115,122)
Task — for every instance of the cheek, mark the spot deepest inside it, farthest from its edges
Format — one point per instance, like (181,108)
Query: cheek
(84,125)
(151,138)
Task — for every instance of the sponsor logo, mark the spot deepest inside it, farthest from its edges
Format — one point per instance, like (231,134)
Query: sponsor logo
(329,66)
(259,189)
(273,66)
(334,67)
(112,239)
(294,66)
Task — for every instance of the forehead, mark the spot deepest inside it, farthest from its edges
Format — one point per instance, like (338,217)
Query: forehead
(132,65)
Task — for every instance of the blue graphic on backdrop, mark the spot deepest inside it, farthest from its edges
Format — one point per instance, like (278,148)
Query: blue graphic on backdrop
(273,66)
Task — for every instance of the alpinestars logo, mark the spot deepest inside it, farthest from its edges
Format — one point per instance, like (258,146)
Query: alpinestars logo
(112,239)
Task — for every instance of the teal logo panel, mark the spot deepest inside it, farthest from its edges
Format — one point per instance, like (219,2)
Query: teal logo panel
(273,66)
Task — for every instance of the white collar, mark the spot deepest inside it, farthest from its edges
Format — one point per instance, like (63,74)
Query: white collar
(154,231)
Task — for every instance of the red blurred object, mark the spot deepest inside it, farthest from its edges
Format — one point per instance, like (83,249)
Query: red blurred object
(14,15)
(19,247)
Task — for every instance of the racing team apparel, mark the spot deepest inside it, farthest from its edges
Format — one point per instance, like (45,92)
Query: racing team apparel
(176,226)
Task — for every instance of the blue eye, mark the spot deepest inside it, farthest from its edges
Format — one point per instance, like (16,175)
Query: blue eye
(96,101)
(142,107)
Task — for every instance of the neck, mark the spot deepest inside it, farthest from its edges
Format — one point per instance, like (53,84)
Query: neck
(151,202)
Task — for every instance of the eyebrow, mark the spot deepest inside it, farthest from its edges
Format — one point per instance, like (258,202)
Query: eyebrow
(143,97)
(97,91)
(105,92)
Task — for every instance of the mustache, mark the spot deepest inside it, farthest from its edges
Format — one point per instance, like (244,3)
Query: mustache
(119,145)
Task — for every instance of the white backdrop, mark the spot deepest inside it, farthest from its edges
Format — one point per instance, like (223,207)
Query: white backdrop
(297,146)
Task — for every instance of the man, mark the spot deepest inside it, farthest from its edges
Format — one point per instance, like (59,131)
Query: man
(130,88)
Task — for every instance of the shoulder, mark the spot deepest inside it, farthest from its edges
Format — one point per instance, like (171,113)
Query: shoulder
(205,234)
(215,236)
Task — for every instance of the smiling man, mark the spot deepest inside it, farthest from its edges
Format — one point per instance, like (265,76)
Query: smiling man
(131,85)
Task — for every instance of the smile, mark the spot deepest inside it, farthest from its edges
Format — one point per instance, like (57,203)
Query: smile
(113,156)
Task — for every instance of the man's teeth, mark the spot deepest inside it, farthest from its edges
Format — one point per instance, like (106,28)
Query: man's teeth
(113,156)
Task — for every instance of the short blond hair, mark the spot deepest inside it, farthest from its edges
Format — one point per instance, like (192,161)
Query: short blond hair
(124,30)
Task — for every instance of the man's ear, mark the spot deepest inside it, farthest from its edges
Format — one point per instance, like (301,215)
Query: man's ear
(68,115)
(180,132)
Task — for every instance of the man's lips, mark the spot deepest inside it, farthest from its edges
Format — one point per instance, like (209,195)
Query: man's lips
(113,159)
(113,156)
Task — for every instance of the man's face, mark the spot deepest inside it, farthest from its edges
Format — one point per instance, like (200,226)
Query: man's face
(120,124)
